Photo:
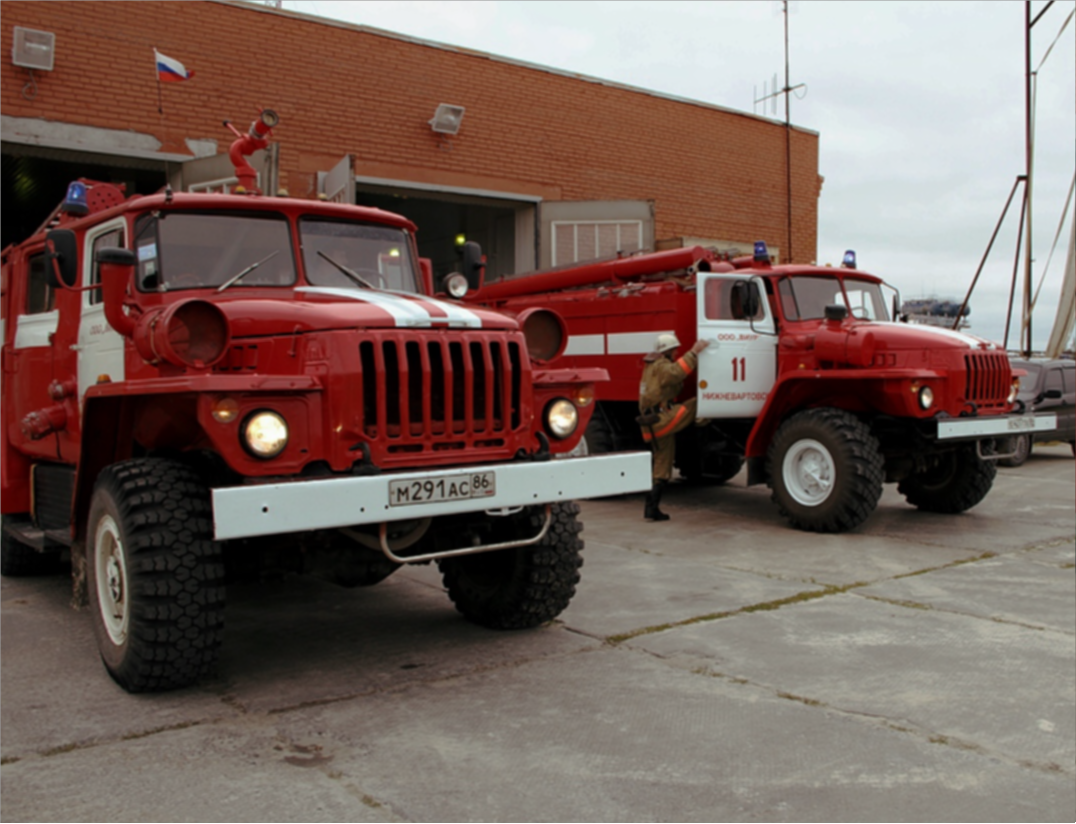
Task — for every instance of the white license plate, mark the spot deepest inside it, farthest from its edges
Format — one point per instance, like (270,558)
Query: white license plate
(1026,423)
(422,490)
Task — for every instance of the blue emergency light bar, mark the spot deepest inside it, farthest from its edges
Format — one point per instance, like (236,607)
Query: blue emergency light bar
(75,202)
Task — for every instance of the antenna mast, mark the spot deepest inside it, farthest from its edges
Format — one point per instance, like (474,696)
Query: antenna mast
(786,91)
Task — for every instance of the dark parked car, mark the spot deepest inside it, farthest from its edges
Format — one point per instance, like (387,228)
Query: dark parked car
(1049,386)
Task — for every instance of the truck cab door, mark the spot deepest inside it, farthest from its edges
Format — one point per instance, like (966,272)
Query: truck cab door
(28,355)
(100,347)
(737,370)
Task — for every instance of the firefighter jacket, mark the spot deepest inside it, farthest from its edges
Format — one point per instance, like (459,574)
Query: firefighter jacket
(663,380)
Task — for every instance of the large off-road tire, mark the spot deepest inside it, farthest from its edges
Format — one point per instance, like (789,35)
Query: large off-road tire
(156,577)
(18,560)
(958,481)
(522,587)
(1019,446)
(826,470)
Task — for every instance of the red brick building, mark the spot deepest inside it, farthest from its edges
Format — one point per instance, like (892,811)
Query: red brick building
(546,166)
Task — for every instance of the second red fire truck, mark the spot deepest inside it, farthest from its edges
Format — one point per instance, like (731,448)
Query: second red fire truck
(808,377)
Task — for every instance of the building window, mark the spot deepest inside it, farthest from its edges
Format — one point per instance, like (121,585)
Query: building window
(592,239)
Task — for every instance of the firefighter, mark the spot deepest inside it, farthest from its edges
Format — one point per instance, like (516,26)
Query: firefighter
(660,418)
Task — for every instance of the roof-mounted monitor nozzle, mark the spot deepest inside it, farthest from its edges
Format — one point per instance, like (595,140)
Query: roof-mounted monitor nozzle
(246,144)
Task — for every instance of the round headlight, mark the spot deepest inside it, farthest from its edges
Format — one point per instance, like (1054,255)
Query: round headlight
(545,331)
(926,397)
(456,285)
(561,418)
(265,434)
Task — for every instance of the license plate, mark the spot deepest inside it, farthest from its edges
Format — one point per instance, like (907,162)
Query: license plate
(437,490)
(1026,423)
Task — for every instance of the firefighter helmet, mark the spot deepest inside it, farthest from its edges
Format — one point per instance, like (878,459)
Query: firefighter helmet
(666,342)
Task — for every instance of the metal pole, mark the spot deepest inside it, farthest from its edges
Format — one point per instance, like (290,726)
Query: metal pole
(788,141)
(1029,153)
(1016,269)
(986,254)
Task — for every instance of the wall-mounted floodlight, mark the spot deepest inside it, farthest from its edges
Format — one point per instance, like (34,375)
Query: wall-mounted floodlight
(33,49)
(447,119)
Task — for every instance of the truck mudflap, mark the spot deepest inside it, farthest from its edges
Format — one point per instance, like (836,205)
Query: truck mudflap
(304,505)
(969,429)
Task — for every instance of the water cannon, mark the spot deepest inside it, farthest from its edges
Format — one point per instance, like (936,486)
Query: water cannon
(255,139)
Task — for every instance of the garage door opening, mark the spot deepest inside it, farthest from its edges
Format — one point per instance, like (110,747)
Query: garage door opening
(504,228)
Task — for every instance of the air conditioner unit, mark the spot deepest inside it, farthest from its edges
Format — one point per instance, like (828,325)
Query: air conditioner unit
(33,49)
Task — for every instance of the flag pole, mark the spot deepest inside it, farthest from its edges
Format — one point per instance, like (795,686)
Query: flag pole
(160,97)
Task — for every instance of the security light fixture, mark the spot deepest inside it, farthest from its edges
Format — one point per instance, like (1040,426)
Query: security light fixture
(34,49)
(447,119)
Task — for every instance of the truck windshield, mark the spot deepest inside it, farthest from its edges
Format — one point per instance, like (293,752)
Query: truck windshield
(806,298)
(191,250)
(356,255)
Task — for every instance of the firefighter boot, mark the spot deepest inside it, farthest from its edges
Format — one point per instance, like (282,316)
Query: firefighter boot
(653,500)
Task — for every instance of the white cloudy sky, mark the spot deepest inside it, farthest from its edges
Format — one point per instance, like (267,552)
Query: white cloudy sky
(920,108)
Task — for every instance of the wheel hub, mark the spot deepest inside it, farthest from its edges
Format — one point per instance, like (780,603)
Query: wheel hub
(809,472)
(111,580)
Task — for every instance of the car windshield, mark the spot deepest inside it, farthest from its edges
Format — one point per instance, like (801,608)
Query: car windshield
(806,298)
(191,250)
(356,255)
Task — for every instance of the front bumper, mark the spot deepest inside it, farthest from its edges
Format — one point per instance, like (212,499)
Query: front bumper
(969,429)
(304,505)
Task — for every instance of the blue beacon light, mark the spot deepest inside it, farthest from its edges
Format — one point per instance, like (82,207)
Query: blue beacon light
(762,254)
(75,201)
(849,261)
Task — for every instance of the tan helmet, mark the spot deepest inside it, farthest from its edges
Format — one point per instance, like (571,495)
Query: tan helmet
(666,342)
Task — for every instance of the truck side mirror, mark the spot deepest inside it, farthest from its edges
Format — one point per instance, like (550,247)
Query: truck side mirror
(62,258)
(474,265)
(744,300)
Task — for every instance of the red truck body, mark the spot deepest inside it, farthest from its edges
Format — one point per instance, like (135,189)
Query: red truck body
(196,384)
(807,377)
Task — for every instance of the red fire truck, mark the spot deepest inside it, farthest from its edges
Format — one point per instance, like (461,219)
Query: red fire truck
(196,385)
(807,377)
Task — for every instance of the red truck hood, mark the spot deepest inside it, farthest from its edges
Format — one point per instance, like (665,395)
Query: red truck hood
(904,336)
(320,308)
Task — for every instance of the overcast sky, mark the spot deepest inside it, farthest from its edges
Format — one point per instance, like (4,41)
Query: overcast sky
(919,107)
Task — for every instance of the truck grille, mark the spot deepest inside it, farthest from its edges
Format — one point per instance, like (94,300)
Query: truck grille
(989,378)
(441,393)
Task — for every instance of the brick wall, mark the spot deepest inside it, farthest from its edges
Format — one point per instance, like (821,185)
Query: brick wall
(343,89)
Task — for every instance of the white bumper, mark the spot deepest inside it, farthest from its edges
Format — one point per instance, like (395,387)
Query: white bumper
(994,426)
(303,505)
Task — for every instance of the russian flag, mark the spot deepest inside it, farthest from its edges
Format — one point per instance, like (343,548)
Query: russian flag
(170,70)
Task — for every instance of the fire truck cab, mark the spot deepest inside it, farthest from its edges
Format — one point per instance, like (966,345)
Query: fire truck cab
(202,386)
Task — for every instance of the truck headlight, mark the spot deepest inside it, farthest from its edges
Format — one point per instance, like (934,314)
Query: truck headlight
(561,418)
(456,285)
(265,434)
(926,397)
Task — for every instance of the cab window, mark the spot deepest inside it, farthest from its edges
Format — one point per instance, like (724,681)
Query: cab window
(40,296)
(108,239)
